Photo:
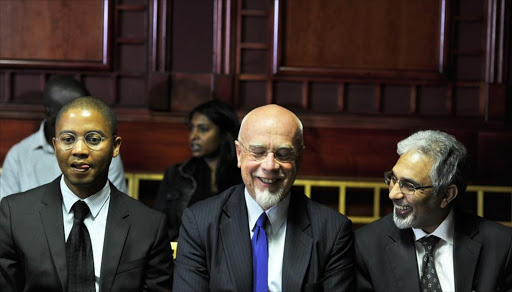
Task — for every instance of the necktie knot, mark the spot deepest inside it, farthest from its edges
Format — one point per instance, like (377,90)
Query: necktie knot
(262,220)
(429,242)
(80,210)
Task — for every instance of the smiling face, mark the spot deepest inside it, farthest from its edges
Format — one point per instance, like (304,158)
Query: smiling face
(85,170)
(421,209)
(270,127)
(204,136)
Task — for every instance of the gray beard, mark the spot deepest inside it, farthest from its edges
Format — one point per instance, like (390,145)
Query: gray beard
(404,223)
(266,199)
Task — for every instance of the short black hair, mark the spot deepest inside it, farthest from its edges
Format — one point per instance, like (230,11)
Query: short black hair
(89,102)
(61,89)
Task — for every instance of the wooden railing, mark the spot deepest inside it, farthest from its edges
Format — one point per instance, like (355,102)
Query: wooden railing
(492,202)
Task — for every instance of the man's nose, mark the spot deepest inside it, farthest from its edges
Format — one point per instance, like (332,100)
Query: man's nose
(79,147)
(270,162)
(395,193)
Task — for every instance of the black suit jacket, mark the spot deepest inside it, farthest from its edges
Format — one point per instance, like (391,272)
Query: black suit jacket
(482,256)
(136,252)
(214,247)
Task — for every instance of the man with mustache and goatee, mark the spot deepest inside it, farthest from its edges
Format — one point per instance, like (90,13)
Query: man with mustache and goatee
(426,244)
(260,236)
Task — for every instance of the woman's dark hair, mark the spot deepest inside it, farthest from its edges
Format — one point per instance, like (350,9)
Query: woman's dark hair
(226,119)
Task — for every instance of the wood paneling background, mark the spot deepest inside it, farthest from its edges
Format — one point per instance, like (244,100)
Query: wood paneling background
(54,33)
(361,76)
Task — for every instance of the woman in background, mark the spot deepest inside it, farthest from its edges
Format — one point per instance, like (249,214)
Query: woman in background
(211,169)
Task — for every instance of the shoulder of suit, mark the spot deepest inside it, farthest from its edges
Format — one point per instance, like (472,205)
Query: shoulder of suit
(135,205)
(382,225)
(483,225)
(218,201)
(30,195)
(320,210)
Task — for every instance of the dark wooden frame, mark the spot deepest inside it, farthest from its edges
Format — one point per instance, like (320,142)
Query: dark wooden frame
(66,64)
(278,68)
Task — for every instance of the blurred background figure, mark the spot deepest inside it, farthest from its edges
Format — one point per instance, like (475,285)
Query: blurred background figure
(31,162)
(212,167)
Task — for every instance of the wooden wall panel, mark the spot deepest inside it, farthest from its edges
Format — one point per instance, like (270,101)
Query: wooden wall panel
(153,146)
(386,37)
(13,131)
(54,33)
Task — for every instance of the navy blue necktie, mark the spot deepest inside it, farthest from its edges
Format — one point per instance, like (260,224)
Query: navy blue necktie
(260,255)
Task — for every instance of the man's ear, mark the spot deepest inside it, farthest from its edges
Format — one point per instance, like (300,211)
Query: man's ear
(238,153)
(449,195)
(117,146)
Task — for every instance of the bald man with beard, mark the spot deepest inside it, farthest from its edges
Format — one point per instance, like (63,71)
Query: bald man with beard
(310,246)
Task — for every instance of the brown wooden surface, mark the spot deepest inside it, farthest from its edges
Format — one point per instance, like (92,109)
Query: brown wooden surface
(53,33)
(386,36)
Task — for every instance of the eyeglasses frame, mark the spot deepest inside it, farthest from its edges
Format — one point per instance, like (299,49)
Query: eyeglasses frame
(103,138)
(401,184)
(295,155)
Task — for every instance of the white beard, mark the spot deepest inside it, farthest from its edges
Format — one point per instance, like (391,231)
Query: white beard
(266,199)
(404,223)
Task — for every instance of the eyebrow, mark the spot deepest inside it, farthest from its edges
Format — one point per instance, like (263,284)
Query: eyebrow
(74,132)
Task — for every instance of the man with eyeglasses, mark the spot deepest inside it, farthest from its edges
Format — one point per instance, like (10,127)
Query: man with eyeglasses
(261,236)
(79,232)
(31,162)
(426,244)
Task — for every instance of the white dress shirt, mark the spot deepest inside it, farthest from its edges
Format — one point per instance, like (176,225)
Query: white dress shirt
(443,254)
(95,222)
(276,234)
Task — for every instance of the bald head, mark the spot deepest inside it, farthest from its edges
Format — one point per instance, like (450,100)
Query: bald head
(273,116)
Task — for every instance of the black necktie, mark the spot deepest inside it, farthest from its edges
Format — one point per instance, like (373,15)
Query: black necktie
(429,281)
(79,253)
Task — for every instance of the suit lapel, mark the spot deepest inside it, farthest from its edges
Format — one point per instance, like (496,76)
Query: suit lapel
(402,256)
(51,217)
(235,238)
(465,252)
(298,244)
(116,232)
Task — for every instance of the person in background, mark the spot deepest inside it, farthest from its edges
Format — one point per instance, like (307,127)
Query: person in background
(426,244)
(260,235)
(79,232)
(211,169)
(31,162)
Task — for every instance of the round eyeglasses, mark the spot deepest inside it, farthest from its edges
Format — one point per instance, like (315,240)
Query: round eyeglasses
(259,153)
(407,188)
(93,140)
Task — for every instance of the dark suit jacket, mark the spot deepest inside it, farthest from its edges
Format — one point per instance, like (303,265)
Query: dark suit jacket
(214,247)
(136,251)
(482,256)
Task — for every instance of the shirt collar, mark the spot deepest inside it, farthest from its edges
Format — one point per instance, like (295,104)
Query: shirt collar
(444,231)
(276,214)
(95,202)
